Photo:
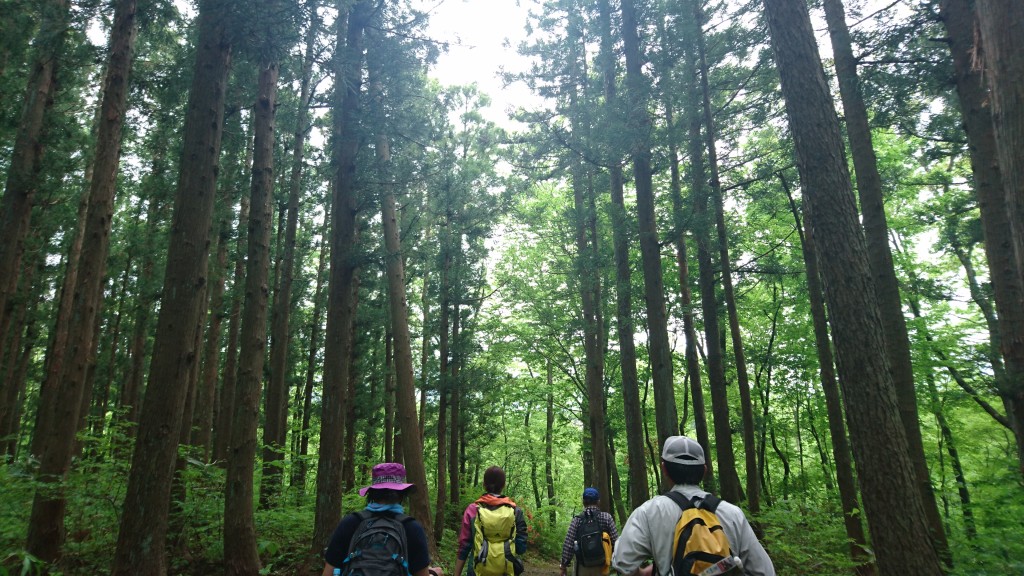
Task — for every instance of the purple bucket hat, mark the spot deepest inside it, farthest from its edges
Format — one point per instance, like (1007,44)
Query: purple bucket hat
(388,476)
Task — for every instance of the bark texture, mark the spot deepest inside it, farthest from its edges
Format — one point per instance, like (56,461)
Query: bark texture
(893,506)
(140,545)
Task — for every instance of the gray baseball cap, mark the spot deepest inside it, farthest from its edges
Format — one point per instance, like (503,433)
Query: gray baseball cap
(682,450)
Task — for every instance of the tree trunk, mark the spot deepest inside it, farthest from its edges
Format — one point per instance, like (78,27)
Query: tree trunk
(20,342)
(728,476)
(46,526)
(101,397)
(425,339)
(833,404)
(1001,23)
(27,154)
(892,503)
(275,428)
(131,392)
(753,483)
(444,369)
(229,379)
(966,508)
(666,417)
(55,354)
(549,429)
(585,266)
(207,392)
(389,398)
(299,470)
(961,21)
(405,384)
(455,446)
(348,474)
(240,554)
(639,490)
(876,232)
(340,309)
(140,546)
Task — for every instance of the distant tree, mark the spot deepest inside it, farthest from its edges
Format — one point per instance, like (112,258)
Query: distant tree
(275,426)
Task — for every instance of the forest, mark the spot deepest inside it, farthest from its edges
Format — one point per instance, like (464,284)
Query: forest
(249,249)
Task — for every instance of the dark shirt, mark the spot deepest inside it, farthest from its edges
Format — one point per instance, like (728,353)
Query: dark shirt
(418,555)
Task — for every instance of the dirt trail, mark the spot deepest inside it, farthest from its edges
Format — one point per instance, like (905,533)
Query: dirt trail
(539,567)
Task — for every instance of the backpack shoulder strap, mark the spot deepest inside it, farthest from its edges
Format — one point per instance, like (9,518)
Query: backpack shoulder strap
(710,503)
(682,501)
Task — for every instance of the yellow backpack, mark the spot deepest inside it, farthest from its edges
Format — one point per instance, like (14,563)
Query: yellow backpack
(495,529)
(698,540)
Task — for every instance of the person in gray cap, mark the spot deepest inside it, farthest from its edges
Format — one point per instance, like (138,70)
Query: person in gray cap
(649,532)
(601,520)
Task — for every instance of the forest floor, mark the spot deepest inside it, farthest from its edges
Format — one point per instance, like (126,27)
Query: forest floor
(541,567)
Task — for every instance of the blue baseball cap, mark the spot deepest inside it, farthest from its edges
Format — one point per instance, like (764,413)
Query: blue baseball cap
(591,494)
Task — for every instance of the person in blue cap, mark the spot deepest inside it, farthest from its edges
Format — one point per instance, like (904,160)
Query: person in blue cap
(592,518)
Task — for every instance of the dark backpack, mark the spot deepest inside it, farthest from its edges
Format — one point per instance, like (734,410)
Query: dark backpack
(589,541)
(378,546)
(699,540)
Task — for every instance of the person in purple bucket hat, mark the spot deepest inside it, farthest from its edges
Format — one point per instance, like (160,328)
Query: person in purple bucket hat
(380,539)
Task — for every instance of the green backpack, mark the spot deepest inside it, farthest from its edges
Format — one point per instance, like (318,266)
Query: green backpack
(494,531)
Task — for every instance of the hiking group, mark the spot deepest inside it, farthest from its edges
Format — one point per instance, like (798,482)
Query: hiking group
(686,531)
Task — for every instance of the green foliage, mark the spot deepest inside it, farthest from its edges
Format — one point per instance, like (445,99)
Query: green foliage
(806,540)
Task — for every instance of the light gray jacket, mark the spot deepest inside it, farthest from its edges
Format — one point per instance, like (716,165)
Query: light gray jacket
(649,531)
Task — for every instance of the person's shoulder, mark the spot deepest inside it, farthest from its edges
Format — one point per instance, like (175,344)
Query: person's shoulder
(654,503)
(351,519)
(413,526)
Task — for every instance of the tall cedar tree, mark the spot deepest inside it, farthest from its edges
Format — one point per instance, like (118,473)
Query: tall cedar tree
(896,517)
(586,262)
(140,542)
(229,379)
(753,479)
(666,417)
(876,233)
(833,404)
(340,303)
(240,554)
(275,427)
(679,216)
(1001,23)
(405,384)
(638,486)
(729,480)
(60,412)
(25,157)
(960,19)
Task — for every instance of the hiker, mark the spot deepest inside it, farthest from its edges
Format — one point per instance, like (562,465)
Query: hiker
(354,544)
(650,532)
(493,531)
(590,539)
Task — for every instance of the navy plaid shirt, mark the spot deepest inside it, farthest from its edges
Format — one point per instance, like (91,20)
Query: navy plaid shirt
(604,520)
